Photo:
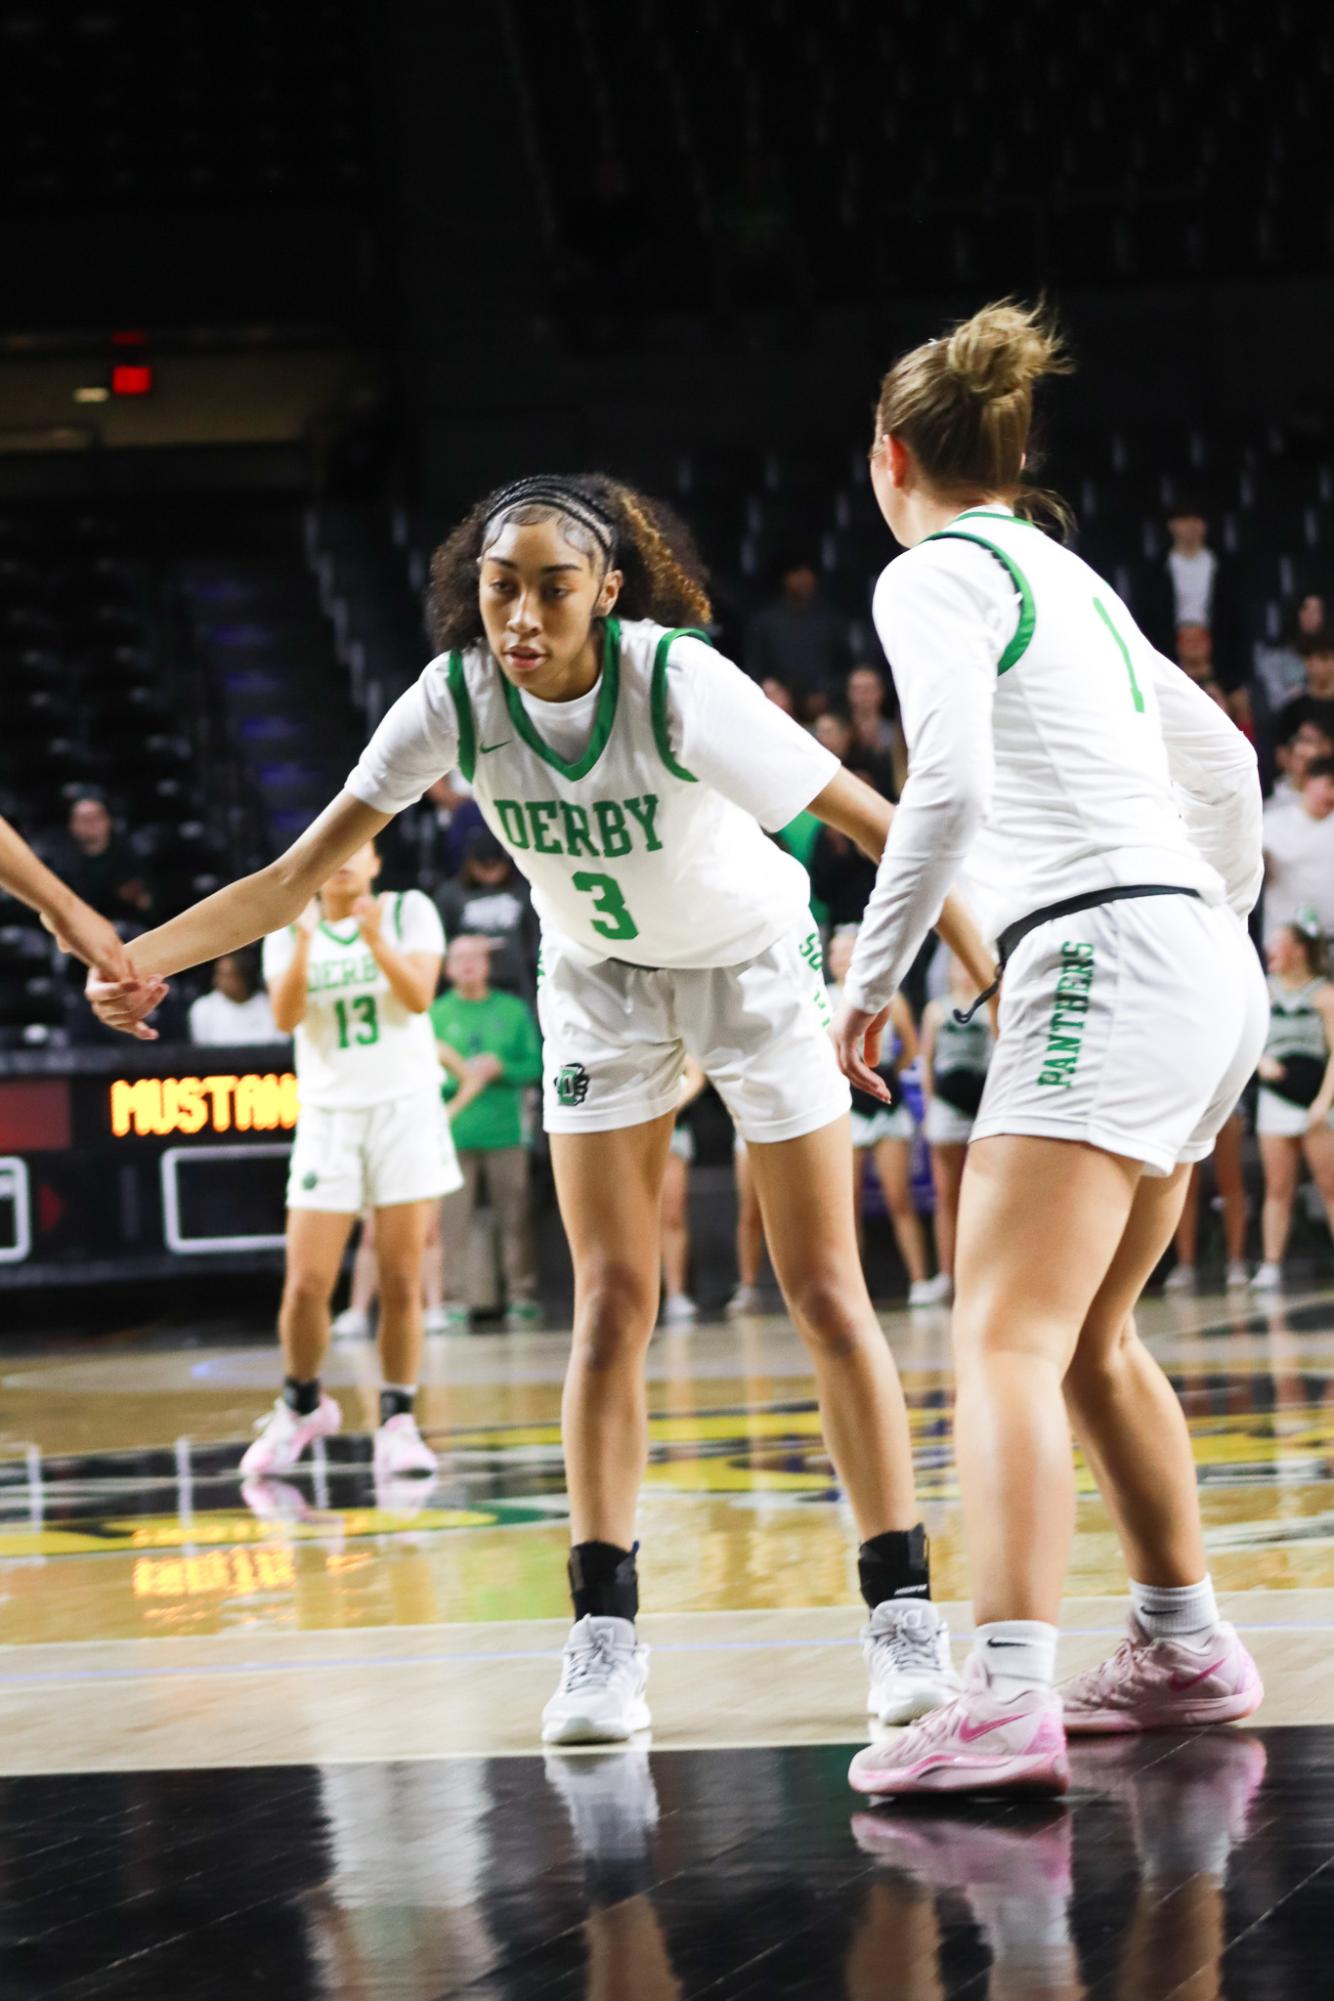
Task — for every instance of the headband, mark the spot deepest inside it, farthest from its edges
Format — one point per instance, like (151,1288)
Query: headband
(547,490)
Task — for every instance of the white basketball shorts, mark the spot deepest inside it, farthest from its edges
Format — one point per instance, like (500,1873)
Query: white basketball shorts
(1131,1027)
(346,1162)
(615,1040)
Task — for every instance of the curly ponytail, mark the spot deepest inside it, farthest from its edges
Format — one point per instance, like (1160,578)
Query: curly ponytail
(664,577)
(964,404)
(614,525)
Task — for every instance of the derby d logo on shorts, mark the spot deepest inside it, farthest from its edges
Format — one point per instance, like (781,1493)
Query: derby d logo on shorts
(571,1084)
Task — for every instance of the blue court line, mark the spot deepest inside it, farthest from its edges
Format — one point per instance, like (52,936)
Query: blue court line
(57,1678)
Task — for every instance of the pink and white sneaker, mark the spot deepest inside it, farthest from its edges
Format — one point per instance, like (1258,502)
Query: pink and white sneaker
(976,1744)
(1164,1685)
(284,1436)
(401,1452)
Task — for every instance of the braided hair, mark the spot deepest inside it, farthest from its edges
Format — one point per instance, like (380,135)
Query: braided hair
(612,524)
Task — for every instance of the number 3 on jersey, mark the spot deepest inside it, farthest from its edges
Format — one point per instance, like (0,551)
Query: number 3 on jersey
(358,1021)
(614,920)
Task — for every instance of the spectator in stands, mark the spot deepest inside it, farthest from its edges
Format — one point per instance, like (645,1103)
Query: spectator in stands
(779,694)
(1299,853)
(836,732)
(1294,759)
(489,898)
(237,1009)
(103,869)
(800,641)
(455,814)
(496,1037)
(842,877)
(1281,669)
(1315,703)
(1196,587)
(873,730)
(1195,655)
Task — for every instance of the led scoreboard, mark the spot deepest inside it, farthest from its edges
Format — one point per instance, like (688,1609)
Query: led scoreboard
(113,1168)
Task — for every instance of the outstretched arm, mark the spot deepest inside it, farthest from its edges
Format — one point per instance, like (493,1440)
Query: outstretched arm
(246,910)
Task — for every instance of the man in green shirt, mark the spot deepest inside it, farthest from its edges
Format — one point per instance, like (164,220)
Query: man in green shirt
(496,1036)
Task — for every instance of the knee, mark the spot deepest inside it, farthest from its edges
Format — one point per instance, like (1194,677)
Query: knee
(399,1289)
(831,1315)
(305,1286)
(614,1314)
(1099,1361)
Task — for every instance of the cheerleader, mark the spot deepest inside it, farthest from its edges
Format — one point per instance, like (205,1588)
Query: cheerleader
(955,1057)
(885,1132)
(1293,1117)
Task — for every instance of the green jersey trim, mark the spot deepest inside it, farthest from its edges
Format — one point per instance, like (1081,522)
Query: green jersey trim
(658,698)
(458,688)
(602,722)
(993,514)
(329,932)
(398,913)
(1028,616)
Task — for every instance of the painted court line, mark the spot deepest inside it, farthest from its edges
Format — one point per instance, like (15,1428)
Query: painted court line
(57,1677)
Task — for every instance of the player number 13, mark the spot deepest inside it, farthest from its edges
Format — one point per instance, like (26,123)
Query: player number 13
(358,1021)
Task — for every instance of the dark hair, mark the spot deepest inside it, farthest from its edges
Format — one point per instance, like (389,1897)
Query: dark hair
(1315,642)
(664,576)
(1319,767)
(964,404)
(1305,929)
(246,961)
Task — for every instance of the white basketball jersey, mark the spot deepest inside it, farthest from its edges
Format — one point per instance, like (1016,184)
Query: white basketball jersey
(630,856)
(357,1046)
(1082,796)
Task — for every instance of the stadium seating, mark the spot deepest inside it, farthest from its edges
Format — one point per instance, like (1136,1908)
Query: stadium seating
(786,151)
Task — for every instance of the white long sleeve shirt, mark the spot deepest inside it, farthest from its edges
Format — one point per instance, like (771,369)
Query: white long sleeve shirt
(1049,746)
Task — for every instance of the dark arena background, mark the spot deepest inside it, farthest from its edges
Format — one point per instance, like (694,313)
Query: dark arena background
(286,289)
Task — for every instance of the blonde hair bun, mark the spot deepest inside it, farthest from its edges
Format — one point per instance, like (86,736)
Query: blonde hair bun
(1004,348)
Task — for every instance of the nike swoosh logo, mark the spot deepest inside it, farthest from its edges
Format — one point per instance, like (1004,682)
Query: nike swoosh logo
(1180,1683)
(970,1732)
(496,746)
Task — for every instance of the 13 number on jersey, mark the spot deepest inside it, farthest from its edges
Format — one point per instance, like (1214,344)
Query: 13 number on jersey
(358,1022)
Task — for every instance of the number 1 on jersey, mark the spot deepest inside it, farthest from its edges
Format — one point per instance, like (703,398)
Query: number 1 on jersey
(358,1021)
(1106,618)
(609,902)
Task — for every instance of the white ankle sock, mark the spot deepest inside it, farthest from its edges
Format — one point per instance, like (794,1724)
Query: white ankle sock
(1186,1612)
(1020,1654)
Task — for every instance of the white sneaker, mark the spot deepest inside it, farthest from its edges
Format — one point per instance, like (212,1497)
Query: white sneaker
(1181,1278)
(1238,1275)
(401,1451)
(930,1291)
(679,1310)
(604,1674)
(907,1647)
(284,1436)
(611,1800)
(745,1300)
(1267,1278)
(435,1320)
(351,1325)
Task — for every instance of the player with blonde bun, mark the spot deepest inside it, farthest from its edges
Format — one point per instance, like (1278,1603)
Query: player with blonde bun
(1109,816)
